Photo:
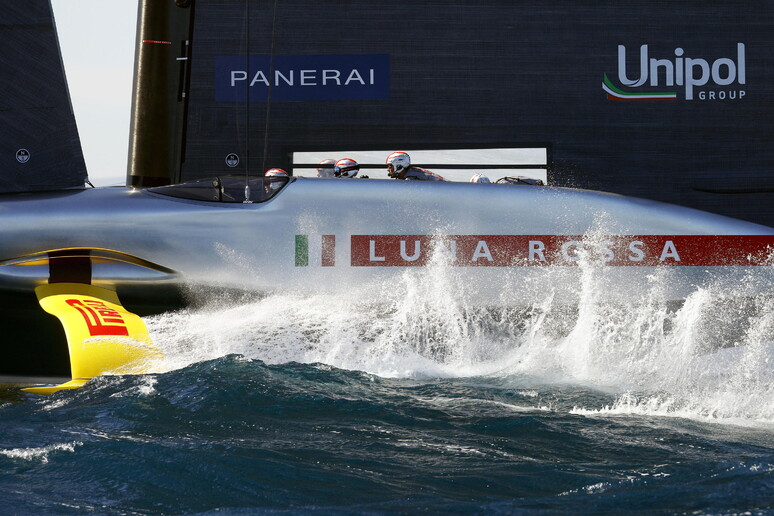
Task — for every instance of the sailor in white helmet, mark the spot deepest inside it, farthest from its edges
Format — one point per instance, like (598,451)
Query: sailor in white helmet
(399,167)
(325,168)
(346,167)
(479,178)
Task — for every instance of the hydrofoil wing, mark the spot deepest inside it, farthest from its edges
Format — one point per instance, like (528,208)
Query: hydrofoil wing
(102,336)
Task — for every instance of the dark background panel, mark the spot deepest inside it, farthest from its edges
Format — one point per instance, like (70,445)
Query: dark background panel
(468,73)
(35,109)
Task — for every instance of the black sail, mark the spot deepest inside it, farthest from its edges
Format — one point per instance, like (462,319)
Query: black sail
(655,99)
(39,144)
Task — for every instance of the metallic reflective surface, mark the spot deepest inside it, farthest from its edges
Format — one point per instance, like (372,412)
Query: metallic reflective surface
(254,246)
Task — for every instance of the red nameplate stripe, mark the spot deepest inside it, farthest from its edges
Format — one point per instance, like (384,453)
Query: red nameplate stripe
(536,250)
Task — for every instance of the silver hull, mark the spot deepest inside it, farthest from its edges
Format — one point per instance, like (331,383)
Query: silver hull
(320,234)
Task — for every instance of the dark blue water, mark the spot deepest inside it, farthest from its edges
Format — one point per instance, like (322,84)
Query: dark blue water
(426,405)
(240,436)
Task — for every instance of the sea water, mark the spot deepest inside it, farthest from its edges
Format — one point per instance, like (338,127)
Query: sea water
(414,399)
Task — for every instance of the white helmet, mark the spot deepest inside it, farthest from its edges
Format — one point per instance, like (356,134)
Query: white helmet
(325,168)
(346,167)
(270,184)
(479,178)
(400,162)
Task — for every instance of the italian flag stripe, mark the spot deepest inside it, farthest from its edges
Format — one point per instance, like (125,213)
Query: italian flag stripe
(302,250)
(328,250)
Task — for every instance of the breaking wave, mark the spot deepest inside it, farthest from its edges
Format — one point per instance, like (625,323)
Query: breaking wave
(709,356)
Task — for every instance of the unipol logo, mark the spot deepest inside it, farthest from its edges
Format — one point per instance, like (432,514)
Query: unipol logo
(665,77)
(100,319)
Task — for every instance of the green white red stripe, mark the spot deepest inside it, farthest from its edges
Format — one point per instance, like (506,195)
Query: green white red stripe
(327,250)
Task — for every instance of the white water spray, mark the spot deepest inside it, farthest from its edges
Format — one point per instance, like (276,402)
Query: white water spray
(709,357)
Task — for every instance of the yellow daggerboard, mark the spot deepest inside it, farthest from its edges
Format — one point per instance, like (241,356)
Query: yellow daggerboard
(102,336)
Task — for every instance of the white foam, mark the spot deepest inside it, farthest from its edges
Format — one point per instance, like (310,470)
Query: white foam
(40,454)
(710,358)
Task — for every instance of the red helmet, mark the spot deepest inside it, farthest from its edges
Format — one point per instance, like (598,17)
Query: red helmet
(274,172)
(346,167)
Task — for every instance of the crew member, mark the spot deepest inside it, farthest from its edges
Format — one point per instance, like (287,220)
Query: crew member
(270,184)
(276,172)
(346,167)
(479,178)
(520,180)
(399,167)
(325,168)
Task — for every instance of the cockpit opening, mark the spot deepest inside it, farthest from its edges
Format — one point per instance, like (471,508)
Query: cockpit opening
(226,189)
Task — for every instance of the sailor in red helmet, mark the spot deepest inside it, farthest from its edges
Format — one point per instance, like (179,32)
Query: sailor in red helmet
(399,167)
(346,167)
(275,178)
(276,172)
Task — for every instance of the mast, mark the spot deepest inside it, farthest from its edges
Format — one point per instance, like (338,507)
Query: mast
(160,92)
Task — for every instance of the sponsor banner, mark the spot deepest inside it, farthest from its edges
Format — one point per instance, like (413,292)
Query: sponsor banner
(537,250)
(100,319)
(302,77)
